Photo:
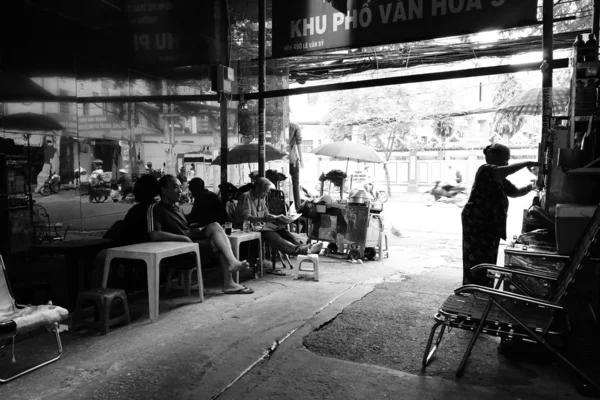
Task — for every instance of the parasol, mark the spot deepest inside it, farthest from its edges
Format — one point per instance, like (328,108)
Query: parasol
(530,102)
(29,122)
(248,153)
(347,150)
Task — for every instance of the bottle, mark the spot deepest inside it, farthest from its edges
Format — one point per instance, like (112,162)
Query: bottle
(591,49)
(579,48)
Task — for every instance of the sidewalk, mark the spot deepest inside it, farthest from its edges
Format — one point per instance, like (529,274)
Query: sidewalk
(196,350)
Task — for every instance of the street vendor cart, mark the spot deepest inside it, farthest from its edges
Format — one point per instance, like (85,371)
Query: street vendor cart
(353,230)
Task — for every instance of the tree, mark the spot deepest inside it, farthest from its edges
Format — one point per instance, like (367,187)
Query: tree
(377,117)
(443,125)
(505,125)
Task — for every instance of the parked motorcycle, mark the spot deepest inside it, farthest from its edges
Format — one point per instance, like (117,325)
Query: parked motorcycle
(455,195)
(52,184)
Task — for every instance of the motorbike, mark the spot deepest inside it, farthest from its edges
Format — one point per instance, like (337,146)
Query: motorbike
(455,195)
(99,190)
(52,184)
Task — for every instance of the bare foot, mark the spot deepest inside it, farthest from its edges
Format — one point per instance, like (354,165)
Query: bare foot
(239,266)
(233,287)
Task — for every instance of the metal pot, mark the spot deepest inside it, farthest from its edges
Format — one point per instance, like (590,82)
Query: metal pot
(360,196)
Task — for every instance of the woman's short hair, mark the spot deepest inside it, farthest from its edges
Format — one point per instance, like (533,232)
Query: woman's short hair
(263,185)
(496,148)
(145,189)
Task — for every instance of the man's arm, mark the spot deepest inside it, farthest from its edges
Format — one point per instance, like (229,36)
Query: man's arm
(298,139)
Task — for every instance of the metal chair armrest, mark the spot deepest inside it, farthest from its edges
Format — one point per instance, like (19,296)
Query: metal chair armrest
(8,327)
(513,271)
(507,295)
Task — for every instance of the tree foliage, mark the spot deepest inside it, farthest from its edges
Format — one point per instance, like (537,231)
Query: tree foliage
(443,125)
(505,125)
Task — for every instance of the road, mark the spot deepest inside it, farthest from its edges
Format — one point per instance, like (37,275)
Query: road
(444,218)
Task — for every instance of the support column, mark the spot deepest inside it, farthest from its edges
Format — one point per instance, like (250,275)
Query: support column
(262,43)
(223,97)
(596,19)
(545,154)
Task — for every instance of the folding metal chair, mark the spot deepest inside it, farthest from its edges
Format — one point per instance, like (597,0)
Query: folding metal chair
(512,315)
(17,320)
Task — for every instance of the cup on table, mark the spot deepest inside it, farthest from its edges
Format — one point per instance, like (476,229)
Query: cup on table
(228,227)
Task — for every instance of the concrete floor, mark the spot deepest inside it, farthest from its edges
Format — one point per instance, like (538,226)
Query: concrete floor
(198,350)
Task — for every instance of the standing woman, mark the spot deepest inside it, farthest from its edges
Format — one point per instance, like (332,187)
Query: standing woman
(484,216)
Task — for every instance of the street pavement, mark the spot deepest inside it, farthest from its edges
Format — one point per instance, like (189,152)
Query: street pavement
(220,348)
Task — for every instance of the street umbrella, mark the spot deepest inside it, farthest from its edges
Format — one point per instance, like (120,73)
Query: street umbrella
(29,122)
(530,102)
(248,153)
(347,150)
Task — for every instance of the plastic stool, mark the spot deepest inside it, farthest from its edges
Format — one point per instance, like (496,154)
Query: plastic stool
(102,299)
(309,258)
(383,252)
(187,279)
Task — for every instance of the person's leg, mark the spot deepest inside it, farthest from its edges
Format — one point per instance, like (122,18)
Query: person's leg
(479,247)
(280,244)
(295,174)
(229,284)
(287,235)
(217,236)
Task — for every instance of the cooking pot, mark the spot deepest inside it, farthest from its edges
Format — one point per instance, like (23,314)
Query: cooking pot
(359,196)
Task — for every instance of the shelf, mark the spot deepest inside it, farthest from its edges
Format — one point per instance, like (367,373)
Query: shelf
(588,64)
(584,171)
(585,118)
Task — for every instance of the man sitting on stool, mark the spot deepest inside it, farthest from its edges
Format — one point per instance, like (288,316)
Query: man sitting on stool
(166,223)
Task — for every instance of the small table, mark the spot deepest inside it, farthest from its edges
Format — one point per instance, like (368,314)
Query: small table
(74,251)
(237,238)
(152,253)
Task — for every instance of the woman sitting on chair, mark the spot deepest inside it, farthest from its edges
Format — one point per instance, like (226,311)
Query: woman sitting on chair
(252,206)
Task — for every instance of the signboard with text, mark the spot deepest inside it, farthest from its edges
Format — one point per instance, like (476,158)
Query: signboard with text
(303,26)
(173,32)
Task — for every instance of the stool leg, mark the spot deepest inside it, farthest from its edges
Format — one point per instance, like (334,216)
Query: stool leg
(187,282)
(169,280)
(126,307)
(77,312)
(107,263)
(105,316)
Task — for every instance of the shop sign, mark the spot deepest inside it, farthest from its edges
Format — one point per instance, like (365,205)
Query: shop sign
(172,32)
(303,26)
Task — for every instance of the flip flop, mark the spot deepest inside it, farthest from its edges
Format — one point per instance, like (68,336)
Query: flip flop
(244,290)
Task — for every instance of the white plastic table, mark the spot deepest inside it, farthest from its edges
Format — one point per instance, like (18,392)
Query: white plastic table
(237,238)
(152,253)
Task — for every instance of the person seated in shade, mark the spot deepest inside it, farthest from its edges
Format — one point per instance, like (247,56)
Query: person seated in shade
(252,206)
(135,226)
(207,208)
(166,223)
(248,186)
(133,229)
